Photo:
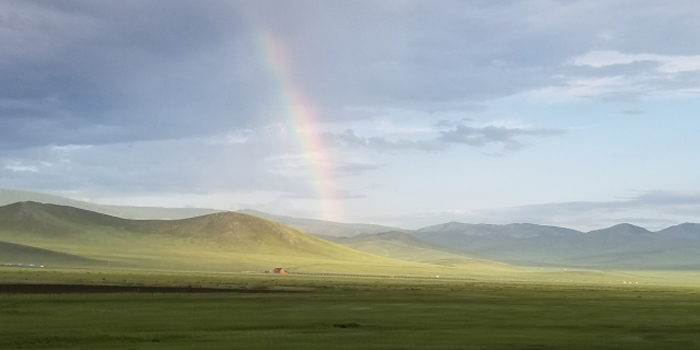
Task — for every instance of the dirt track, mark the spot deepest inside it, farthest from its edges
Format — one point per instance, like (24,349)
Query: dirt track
(80,288)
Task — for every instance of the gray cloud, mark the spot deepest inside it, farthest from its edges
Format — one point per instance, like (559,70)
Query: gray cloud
(380,144)
(152,88)
(75,72)
(507,138)
(338,195)
(479,137)
(257,160)
(347,169)
(79,72)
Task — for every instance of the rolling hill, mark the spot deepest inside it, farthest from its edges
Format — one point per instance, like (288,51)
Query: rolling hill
(619,246)
(91,233)
(398,245)
(403,246)
(323,228)
(226,241)
(8,196)
(686,230)
(11,253)
(318,228)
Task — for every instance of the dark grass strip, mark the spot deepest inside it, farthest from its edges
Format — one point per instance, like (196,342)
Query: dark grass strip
(97,289)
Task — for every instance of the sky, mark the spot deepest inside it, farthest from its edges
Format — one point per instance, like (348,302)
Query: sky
(580,114)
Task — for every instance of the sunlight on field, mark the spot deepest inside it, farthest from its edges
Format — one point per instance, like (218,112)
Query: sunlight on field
(311,312)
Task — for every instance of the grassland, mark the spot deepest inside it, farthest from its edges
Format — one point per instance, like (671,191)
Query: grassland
(441,301)
(346,313)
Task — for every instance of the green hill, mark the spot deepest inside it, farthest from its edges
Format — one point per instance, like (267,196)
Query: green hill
(399,245)
(8,196)
(323,228)
(623,246)
(403,246)
(217,242)
(11,253)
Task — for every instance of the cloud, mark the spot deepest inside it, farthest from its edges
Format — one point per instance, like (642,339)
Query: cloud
(77,73)
(445,133)
(175,96)
(268,160)
(338,195)
(613,75)
(350,140)
(352,169)
(665,63)
(479,137)
(19,167)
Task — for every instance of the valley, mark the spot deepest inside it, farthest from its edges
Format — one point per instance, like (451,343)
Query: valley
(101,281)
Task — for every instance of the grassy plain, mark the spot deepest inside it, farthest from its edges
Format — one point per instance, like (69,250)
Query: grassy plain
(441,301)
(311,312)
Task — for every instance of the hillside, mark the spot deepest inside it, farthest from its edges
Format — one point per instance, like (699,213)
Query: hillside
(686,230)
(619,246)
(398,245)
(403,246)
(11,253)
(246,238)
(509,230)
(311,226)
(216,242)
(39,222)
(8,196)
(323,228)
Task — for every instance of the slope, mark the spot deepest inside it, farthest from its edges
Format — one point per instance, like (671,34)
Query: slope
(311,226)
(8,196)
(403,246)
(11,253)
(215,242)
(398,245)
(321,227)
(619,246)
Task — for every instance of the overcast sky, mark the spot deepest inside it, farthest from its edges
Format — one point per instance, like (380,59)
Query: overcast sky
(409,113)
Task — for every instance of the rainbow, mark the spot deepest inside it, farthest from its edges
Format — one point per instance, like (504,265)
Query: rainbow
(302,118)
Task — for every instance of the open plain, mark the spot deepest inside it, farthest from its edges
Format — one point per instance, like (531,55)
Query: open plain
(265,311)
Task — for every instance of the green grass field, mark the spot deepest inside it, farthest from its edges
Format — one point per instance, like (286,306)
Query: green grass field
(345,313)
(433,300)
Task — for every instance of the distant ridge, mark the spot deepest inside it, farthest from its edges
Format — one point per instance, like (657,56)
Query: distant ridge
(685,230)
(512,230)
(319,228)
(58,222)
(622,229)
(402,245)
(226,241)
(619,246)
(8,196)
(323,228)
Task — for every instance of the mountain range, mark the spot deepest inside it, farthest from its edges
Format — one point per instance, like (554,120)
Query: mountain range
(619,246)
(8,196)
(623,246)
(323,228)
(63,236)
(319,228)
